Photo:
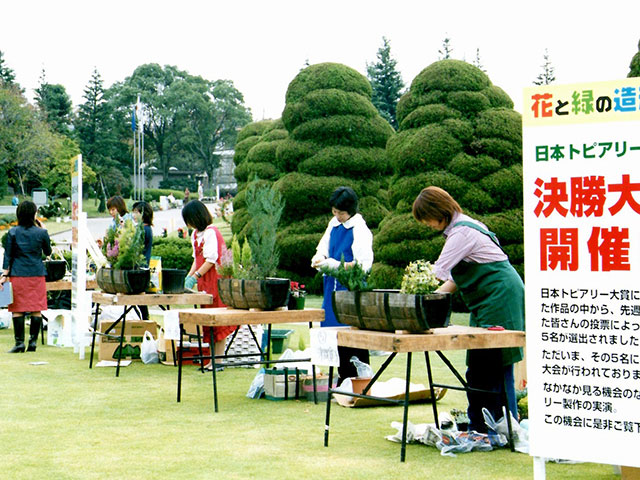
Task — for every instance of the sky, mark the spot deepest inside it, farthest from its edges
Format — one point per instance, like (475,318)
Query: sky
(261,46)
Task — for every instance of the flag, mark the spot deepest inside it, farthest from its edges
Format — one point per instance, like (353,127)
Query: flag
(133,120)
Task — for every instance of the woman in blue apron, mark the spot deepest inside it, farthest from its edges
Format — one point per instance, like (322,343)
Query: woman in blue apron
(346,236)
(473,262)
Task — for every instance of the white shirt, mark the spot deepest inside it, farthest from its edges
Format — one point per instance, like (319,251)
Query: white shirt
(210,249)
(362,246)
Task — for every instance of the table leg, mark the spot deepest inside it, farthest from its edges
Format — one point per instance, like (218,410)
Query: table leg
(200,348)
(123,319)
(432,390)
(93,339)
(405,417)
(505,398)
(328,415)
(313,380)
(180,362)
(213,371)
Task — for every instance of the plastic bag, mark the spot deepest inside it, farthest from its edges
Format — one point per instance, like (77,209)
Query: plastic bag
(256,389)
(462,442)
(520,435)
(364,370)
(149,349)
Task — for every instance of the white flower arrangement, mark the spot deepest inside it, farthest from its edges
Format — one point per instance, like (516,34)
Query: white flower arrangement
(419,278)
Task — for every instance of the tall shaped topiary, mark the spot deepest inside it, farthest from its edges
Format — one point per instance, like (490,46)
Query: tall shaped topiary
(255,157)
(336,137)
(457,131)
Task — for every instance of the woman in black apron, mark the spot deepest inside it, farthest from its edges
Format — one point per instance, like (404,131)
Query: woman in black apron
(473,262)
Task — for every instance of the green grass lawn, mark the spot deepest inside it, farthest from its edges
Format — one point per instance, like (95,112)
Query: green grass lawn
(61,420)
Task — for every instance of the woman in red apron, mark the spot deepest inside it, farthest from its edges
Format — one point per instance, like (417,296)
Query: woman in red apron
(208,246)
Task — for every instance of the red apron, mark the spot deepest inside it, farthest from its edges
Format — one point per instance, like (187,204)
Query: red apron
(209,283)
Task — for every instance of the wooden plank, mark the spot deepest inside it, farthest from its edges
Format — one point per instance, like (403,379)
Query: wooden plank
(66,285)
(152,299)
(230,316)
(447,338)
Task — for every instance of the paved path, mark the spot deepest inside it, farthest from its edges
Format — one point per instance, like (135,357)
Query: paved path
(169,219)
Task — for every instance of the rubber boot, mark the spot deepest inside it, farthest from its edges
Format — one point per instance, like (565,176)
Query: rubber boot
(18,334)
(34,330)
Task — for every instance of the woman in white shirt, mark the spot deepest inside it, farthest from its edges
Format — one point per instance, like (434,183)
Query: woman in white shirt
(348,236)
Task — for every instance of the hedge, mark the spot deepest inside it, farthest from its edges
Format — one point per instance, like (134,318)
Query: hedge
(346,161)
(505,186)
(256,129)
(275,134)
(450,75)
(401,254)
(347,130)
(263,151)
(497,97)
(422,149)
(468,103)
(242,149)
(263,170)
(290,153)
(412,100)
(372,211)
(471,168)
(307,196)
(400,227)
(426,114)
(507,152)
(507,225)
(324,76)
(317,224)
(175,252)
(500,123)
(326,103)
(151,194)
(296,251)
(386,276)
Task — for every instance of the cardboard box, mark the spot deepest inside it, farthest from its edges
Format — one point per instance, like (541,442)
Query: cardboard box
(275,387)
(133,335)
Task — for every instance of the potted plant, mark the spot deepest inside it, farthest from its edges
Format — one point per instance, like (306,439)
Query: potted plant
(122,247)
(297,296)
(254,264)
(414,308)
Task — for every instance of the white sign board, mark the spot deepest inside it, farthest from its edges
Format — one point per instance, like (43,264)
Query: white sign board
(324,347)
(581,156)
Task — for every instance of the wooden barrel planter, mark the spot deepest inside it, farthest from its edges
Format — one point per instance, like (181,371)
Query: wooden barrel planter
(267,294)
(130,282)
(390,310)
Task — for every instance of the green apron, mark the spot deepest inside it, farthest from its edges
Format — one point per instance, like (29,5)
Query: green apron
(494,294)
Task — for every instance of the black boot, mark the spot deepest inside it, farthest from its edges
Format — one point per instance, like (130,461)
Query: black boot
(18,334)
(34,330)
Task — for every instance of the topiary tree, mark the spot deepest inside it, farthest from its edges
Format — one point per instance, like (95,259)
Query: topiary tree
(634,67)
(336,137)
(255,157)
(459,132)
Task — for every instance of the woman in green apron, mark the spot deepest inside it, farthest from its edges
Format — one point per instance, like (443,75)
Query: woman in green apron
(473,262)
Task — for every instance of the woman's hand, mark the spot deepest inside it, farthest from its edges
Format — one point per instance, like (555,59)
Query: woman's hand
(190,282)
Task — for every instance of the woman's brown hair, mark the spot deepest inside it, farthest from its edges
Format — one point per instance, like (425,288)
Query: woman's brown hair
(117,202)
(434,203)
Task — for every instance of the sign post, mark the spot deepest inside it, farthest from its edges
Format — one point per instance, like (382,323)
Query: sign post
(79,310)
(581,157)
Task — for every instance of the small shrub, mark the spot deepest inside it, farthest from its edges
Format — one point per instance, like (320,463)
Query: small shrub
(175,252)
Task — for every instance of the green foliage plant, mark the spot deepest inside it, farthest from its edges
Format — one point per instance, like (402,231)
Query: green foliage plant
(123,246)
(175,252)
(419,278)
(265,206)
(353,277)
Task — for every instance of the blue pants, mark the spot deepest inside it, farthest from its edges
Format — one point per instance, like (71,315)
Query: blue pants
(485,371)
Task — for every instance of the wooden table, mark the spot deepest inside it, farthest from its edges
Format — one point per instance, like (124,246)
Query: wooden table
(219,317)
(437,340)
(129,302)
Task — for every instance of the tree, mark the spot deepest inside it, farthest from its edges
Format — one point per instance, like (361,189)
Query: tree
(446,49)
(97,134)
(213,114)
(547,75)
(477,62)
(7,77)
(634,67)
(386,83)
(58,178)
(25,141)
(54,104)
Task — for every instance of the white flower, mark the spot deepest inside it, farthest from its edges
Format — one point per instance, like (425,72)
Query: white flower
(419,278)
